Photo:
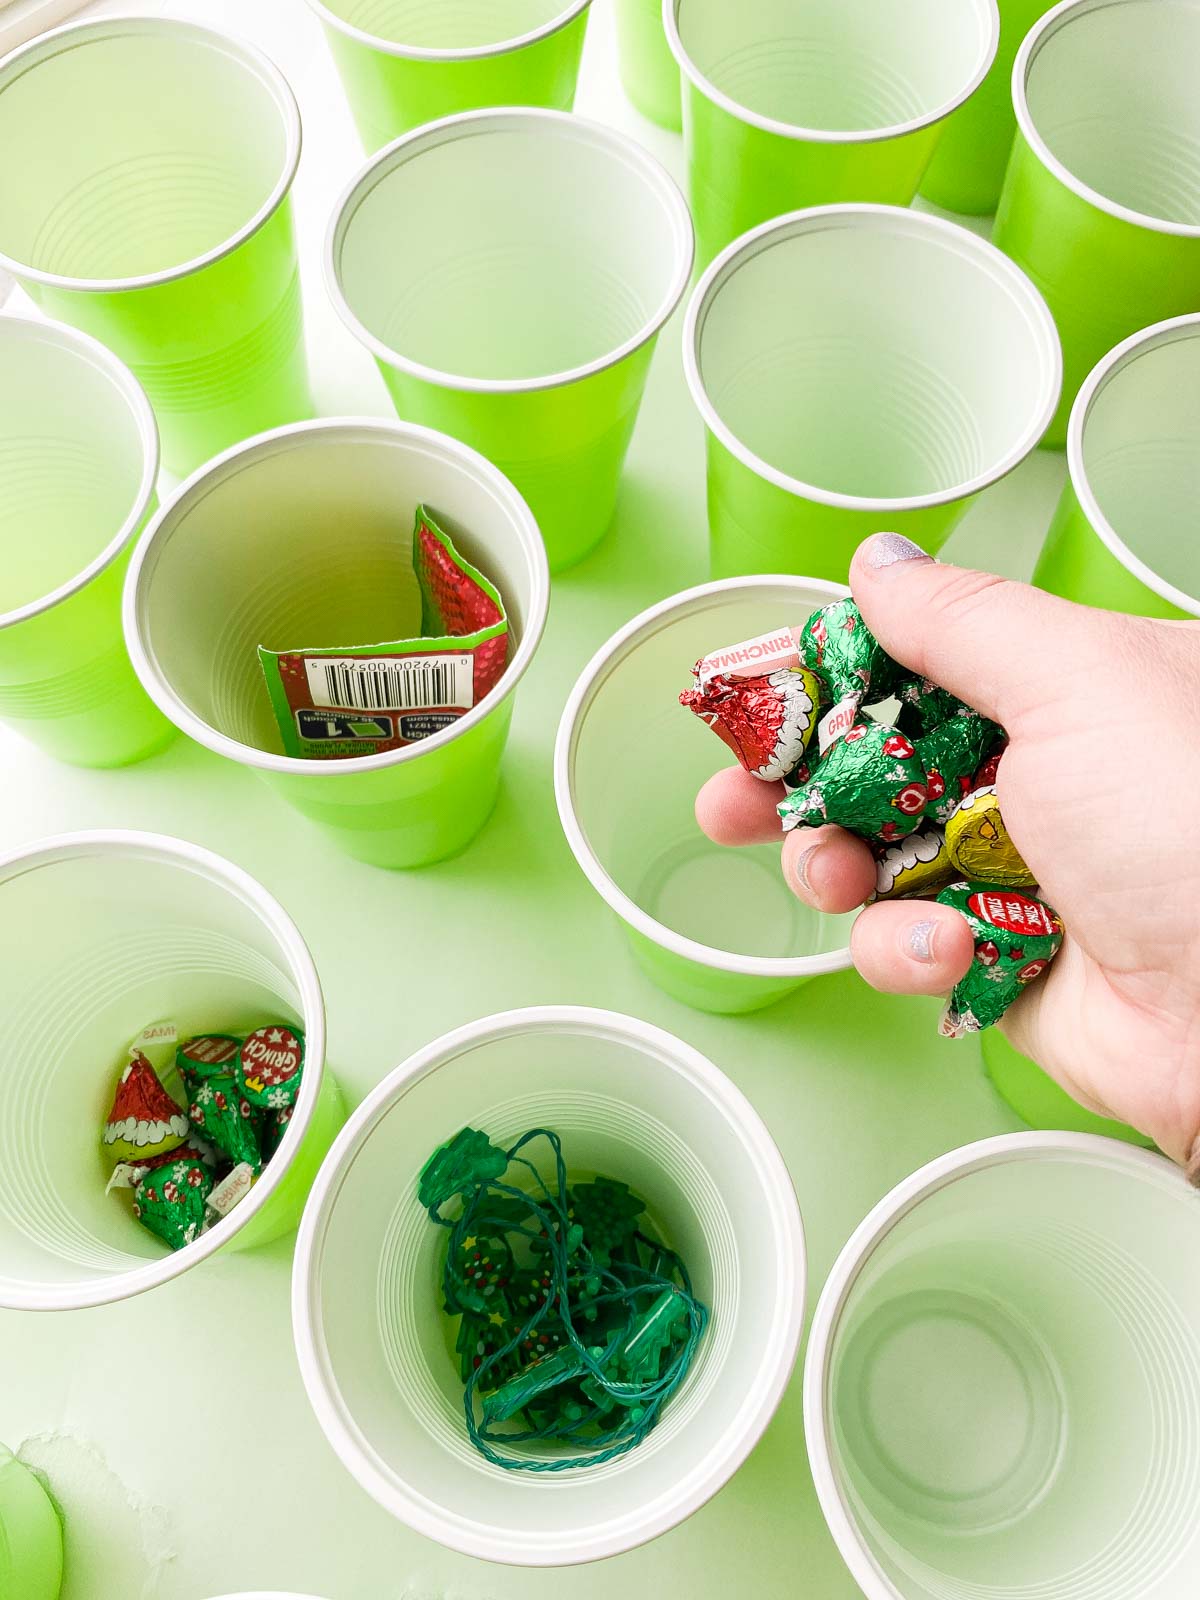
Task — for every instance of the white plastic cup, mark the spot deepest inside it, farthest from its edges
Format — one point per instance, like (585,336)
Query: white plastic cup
(860,367)
(267,1594)
(716,928)
(303,537)
(627,1100)
(510,272)
(1002,1387)
(100,934)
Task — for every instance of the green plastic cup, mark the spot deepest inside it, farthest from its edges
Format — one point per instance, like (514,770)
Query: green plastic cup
(76,485)
(1124,534)
(1002,1387)
(788,105)
(716,928)
(1038,1100)
(144,197)
(100,934)
(31,1542)
(967,170)
(406,62)
(304,537)
(1101,203)
(649,72)
(552,250)
(371,1335)
(859,368)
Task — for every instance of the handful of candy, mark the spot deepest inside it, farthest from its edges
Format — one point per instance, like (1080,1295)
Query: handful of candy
(918,785)
(189,1164)
(576,1324)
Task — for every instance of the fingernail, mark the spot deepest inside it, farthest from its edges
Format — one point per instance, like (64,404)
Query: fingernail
(886,549)
(802,868)
(920,940)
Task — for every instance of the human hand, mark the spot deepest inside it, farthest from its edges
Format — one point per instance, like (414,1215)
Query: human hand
(1100,790)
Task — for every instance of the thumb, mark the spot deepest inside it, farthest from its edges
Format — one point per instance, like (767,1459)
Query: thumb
(988,640)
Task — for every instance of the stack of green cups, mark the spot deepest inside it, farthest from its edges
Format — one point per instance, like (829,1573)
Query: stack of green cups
(858,368)
(303,538)
(967,170)
(144,197)
(405,62)
(649,72)
(78,483)
(31,1542)
(789,105)
(1101,203)
(510,272)
(1124,534)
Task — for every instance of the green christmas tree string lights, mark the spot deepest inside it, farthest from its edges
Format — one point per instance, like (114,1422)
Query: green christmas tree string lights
(577,1326)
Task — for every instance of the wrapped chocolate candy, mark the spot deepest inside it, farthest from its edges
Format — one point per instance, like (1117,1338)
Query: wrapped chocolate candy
(980,846)
(1016,937)
(837,645)
(144,1120)
(220,1113)
(273,1127)
(208,1055)
(951,754)
(869,781)
(170,1200)
(913,866)
(758,699)
(270,1065)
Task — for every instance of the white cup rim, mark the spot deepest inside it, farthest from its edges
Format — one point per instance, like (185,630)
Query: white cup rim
(478,52)
(99,356)
(273,80)
(855,214)
(628,910)
(145,555)
(1108,367)
(1049,23)
(556,124)
(790,130)
(181,854)
(880,1220)
(645,1522)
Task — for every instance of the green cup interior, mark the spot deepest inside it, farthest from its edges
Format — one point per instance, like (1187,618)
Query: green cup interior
(1014,1386)
(873,353)
(1139,449)
(641,832)
(514,248)
(838,65)
(440,25)
(305,540)
(1111,90)
(136,146)
(77,459)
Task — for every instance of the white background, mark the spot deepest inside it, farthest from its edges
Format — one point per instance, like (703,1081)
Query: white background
(174,1427)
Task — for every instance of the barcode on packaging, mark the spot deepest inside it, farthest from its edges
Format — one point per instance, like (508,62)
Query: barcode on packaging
(391,683)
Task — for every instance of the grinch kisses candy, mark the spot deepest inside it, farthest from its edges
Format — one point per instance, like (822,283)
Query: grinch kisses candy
(1016,938)
(171,1199)
(759,699)
(269,1067)
(144,1119)
(914,779)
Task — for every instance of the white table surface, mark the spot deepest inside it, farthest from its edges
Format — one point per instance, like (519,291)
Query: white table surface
(174,1427)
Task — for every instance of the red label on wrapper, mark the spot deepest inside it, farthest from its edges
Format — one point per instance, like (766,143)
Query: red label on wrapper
(1015,913)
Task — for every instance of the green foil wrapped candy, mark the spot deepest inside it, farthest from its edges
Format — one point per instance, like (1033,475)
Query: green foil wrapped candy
(870,781)
(951,754)
(220,1113)
(207,1055)
(1016,938)
(170,1201)
(270,1065)
(836,645)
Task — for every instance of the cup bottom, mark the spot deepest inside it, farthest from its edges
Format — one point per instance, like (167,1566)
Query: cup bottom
(728,899)
(951,1411)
